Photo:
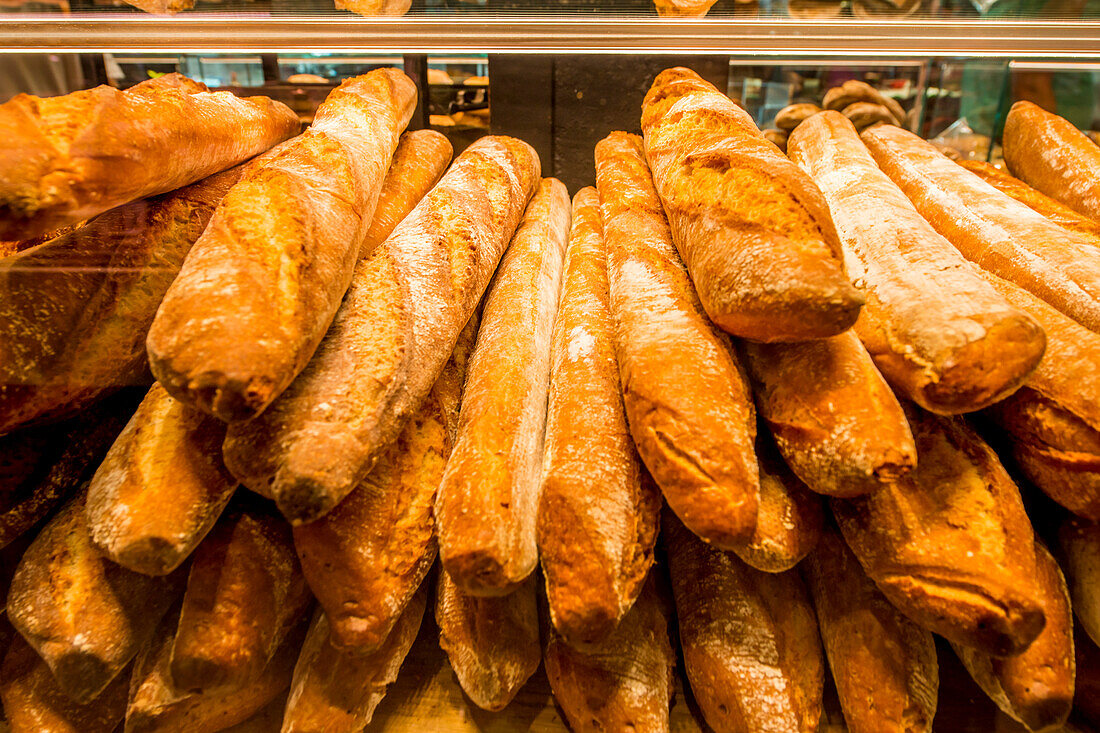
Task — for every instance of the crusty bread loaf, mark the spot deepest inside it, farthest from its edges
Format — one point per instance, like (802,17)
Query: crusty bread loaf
(950,544)
(751,647)
(597,515)
(1050,154)
(488,499)
(245,592)
(864,114)
(84,615)
(1052,209)
(997,233)
(365,559)
(263,282)
(793,115)
(417,165)
(161,486)
(687,399)
(624,682)
(883,664)
(836,422)
(1035,687)
(395,331)
(103,282)
(1080,547)
(751,227)
(1054,420)
(33,703)
(334,692)
(939,334)
(853,91)
(71,157)
(492,643)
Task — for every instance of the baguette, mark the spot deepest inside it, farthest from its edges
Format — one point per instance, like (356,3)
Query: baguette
(836,422)
(1054,420)
(884,665)
(997,233)
(417,165)
(1080,544)
(263,282)
(245,593)
(72,157)
(687,400)
(597,517)
(950,544)
(1035,687)
(84,615)
(488,499)
(939,334)
(751,227)
(1052,209)
(492,643)
(103,282)
(391,338)
(624,682)
(33,702)
(161,487)
(751,648)
(333,692)
(365,559)
(1050,154)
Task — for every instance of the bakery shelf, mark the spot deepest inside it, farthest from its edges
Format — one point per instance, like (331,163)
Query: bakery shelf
(212,32)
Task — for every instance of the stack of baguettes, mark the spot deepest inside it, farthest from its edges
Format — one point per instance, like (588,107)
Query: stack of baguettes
(610,418)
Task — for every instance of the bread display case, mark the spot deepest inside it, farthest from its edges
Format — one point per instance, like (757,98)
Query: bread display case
(505,365)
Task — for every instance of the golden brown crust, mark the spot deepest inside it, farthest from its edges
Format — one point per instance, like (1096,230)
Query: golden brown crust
(1050,154)
(84,615)
(398,324)
(417,165)
(884,665)
(995,232)
(937,331)
(687,399)
(597,519)
(103,282)
(245,593)
(365,559)
(71,157)
(950,544)
(835,420)
(793,115)
(751,648)
(161,486)
(263,282)
(492,643)
(854,91)
(751,227)
(488,499)
(1080,544)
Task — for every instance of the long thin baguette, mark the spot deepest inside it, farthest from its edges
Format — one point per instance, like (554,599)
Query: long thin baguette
(263,282)
(488,499)
(1050,154)
(950,544)
(883,664)
(751,227)
(245,593)
(417,165)
(939,334)
(365,559)
(1080,544)
(72,157)
(103,282)
(492,643)
(84,615)
(597,514)
(751,648)
(835,420)
(160,488)
(687,399)
(997,233)
(393,334)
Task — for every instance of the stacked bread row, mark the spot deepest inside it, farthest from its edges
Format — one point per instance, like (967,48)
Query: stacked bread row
(601,414)
(860,102)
